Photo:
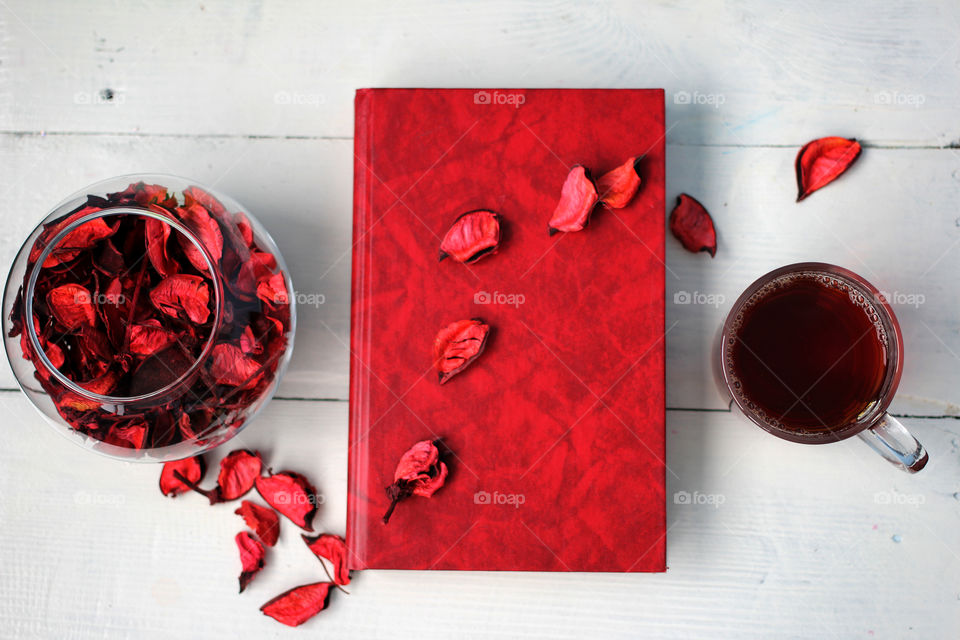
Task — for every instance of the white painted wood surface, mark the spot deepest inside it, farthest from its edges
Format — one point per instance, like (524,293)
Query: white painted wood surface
(256,98)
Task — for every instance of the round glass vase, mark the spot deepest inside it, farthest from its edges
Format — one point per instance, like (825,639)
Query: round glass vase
(161,318)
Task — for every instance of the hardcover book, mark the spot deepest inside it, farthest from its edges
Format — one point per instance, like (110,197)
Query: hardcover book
(554,436)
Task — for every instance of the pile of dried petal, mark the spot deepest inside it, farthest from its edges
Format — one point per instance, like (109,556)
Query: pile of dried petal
(121,325)
(290,494)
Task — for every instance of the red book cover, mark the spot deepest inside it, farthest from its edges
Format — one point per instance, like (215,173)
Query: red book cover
(554,436)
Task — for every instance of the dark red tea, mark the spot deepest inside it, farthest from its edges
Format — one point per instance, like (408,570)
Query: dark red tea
(809,353)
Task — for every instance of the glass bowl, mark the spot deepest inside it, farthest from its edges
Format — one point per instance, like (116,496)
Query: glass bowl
(163,317)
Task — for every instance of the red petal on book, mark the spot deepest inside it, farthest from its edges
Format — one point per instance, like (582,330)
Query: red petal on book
(419,473)
(577,199)
(472,236)
(458,345)
(617,187)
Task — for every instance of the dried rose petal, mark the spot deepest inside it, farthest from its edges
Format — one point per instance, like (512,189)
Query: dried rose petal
(109,261)
(72,306)
(296,606)
(190,468)
(157,235)
(577,199)
(472,236)
(229,365)
(81,238)
(249,343)
(273,289)
(290,494)
(457,345)
(419,473)
(251,558)
(196,218)
(130,436)
(822,161)
(196,194)
(159,370)
(144,194)
(238,472)
(258,268)
(194,424)
(101,385)
(244,228)
(148,338)
(617,187)
(264,522)
(87,235)
(113,311)
(692,226)
(185,295)
(54,355)
(333,548)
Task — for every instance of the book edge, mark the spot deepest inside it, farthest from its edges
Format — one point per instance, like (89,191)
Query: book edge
(359,332)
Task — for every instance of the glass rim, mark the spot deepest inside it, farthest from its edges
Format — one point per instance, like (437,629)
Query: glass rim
(894,352)
(29,293)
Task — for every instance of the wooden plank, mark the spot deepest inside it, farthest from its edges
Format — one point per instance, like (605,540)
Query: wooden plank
(824,541)
(892,219)
(756,72)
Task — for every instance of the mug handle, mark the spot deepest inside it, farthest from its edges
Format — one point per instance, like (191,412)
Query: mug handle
(891,440)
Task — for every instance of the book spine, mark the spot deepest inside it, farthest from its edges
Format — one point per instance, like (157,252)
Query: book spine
(358,458)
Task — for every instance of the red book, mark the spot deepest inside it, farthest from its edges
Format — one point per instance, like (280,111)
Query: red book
(556,432)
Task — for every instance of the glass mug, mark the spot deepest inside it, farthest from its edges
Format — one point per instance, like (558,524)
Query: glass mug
(813,353)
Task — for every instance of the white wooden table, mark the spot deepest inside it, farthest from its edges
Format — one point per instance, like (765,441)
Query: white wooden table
(255,98)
